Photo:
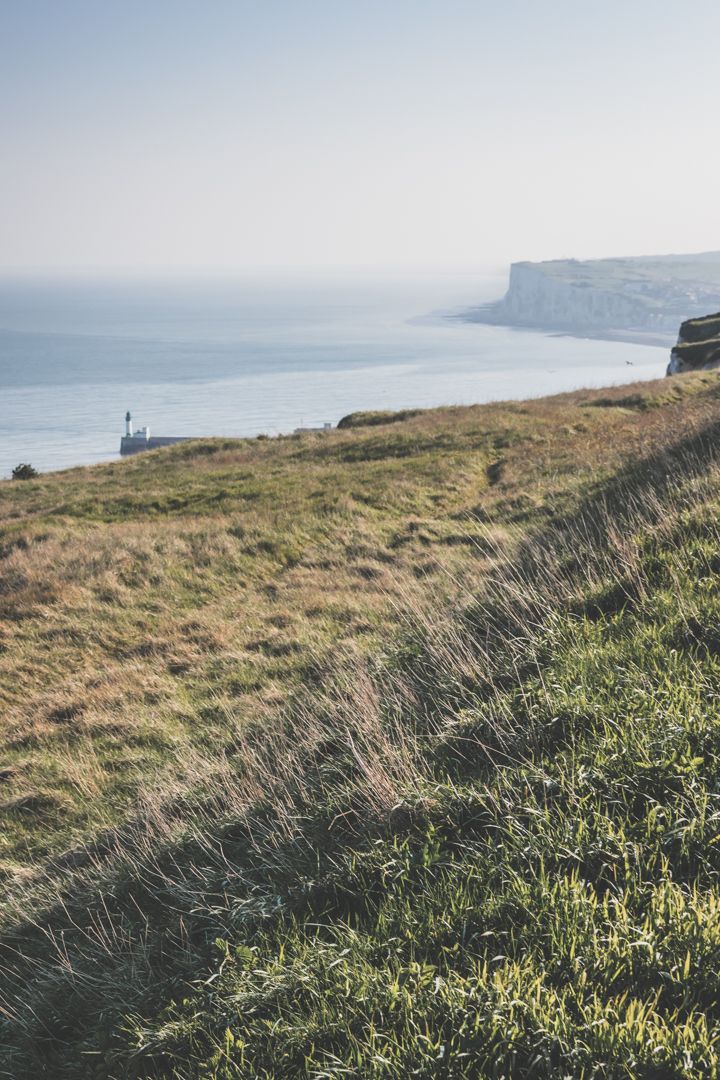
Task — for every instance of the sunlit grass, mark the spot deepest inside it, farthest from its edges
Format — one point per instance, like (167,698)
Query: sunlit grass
(407,765)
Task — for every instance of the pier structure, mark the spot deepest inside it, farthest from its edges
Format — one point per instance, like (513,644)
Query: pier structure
(133,442)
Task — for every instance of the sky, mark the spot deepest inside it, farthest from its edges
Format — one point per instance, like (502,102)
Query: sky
(227,134)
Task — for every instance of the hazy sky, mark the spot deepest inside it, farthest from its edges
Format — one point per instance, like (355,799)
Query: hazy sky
(233,133)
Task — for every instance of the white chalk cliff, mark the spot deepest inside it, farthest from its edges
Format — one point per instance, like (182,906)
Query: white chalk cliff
(641,294)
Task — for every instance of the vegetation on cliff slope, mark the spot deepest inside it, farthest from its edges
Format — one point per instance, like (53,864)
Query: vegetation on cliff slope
(393,752)
(698,346)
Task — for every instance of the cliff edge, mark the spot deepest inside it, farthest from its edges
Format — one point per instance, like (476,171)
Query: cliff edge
(640,294)
(698,346)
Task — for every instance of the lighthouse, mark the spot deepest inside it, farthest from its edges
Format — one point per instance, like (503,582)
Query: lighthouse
(134,441)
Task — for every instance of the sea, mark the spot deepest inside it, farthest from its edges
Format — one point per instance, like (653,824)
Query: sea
(263,353)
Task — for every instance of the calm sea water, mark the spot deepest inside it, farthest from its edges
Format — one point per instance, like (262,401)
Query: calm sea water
(262,354)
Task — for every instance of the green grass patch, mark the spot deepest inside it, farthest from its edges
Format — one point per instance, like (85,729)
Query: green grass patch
(388,752)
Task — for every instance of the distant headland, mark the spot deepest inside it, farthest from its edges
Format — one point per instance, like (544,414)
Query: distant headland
(641,298)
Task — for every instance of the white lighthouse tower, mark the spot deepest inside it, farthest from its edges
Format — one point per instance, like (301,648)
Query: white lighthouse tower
(132,442)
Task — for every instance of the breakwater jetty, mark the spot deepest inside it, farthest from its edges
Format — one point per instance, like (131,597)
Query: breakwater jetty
(134,442)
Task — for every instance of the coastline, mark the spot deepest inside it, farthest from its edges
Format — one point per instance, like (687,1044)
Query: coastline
(267,362)
(627,335)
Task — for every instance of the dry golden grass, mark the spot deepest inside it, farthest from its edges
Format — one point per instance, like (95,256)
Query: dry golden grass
(350,755)
(143,602)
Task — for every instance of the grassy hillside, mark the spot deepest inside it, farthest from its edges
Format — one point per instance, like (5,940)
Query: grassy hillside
(383,753)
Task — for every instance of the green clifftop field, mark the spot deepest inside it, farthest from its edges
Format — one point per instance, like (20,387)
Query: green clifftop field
(387,752)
